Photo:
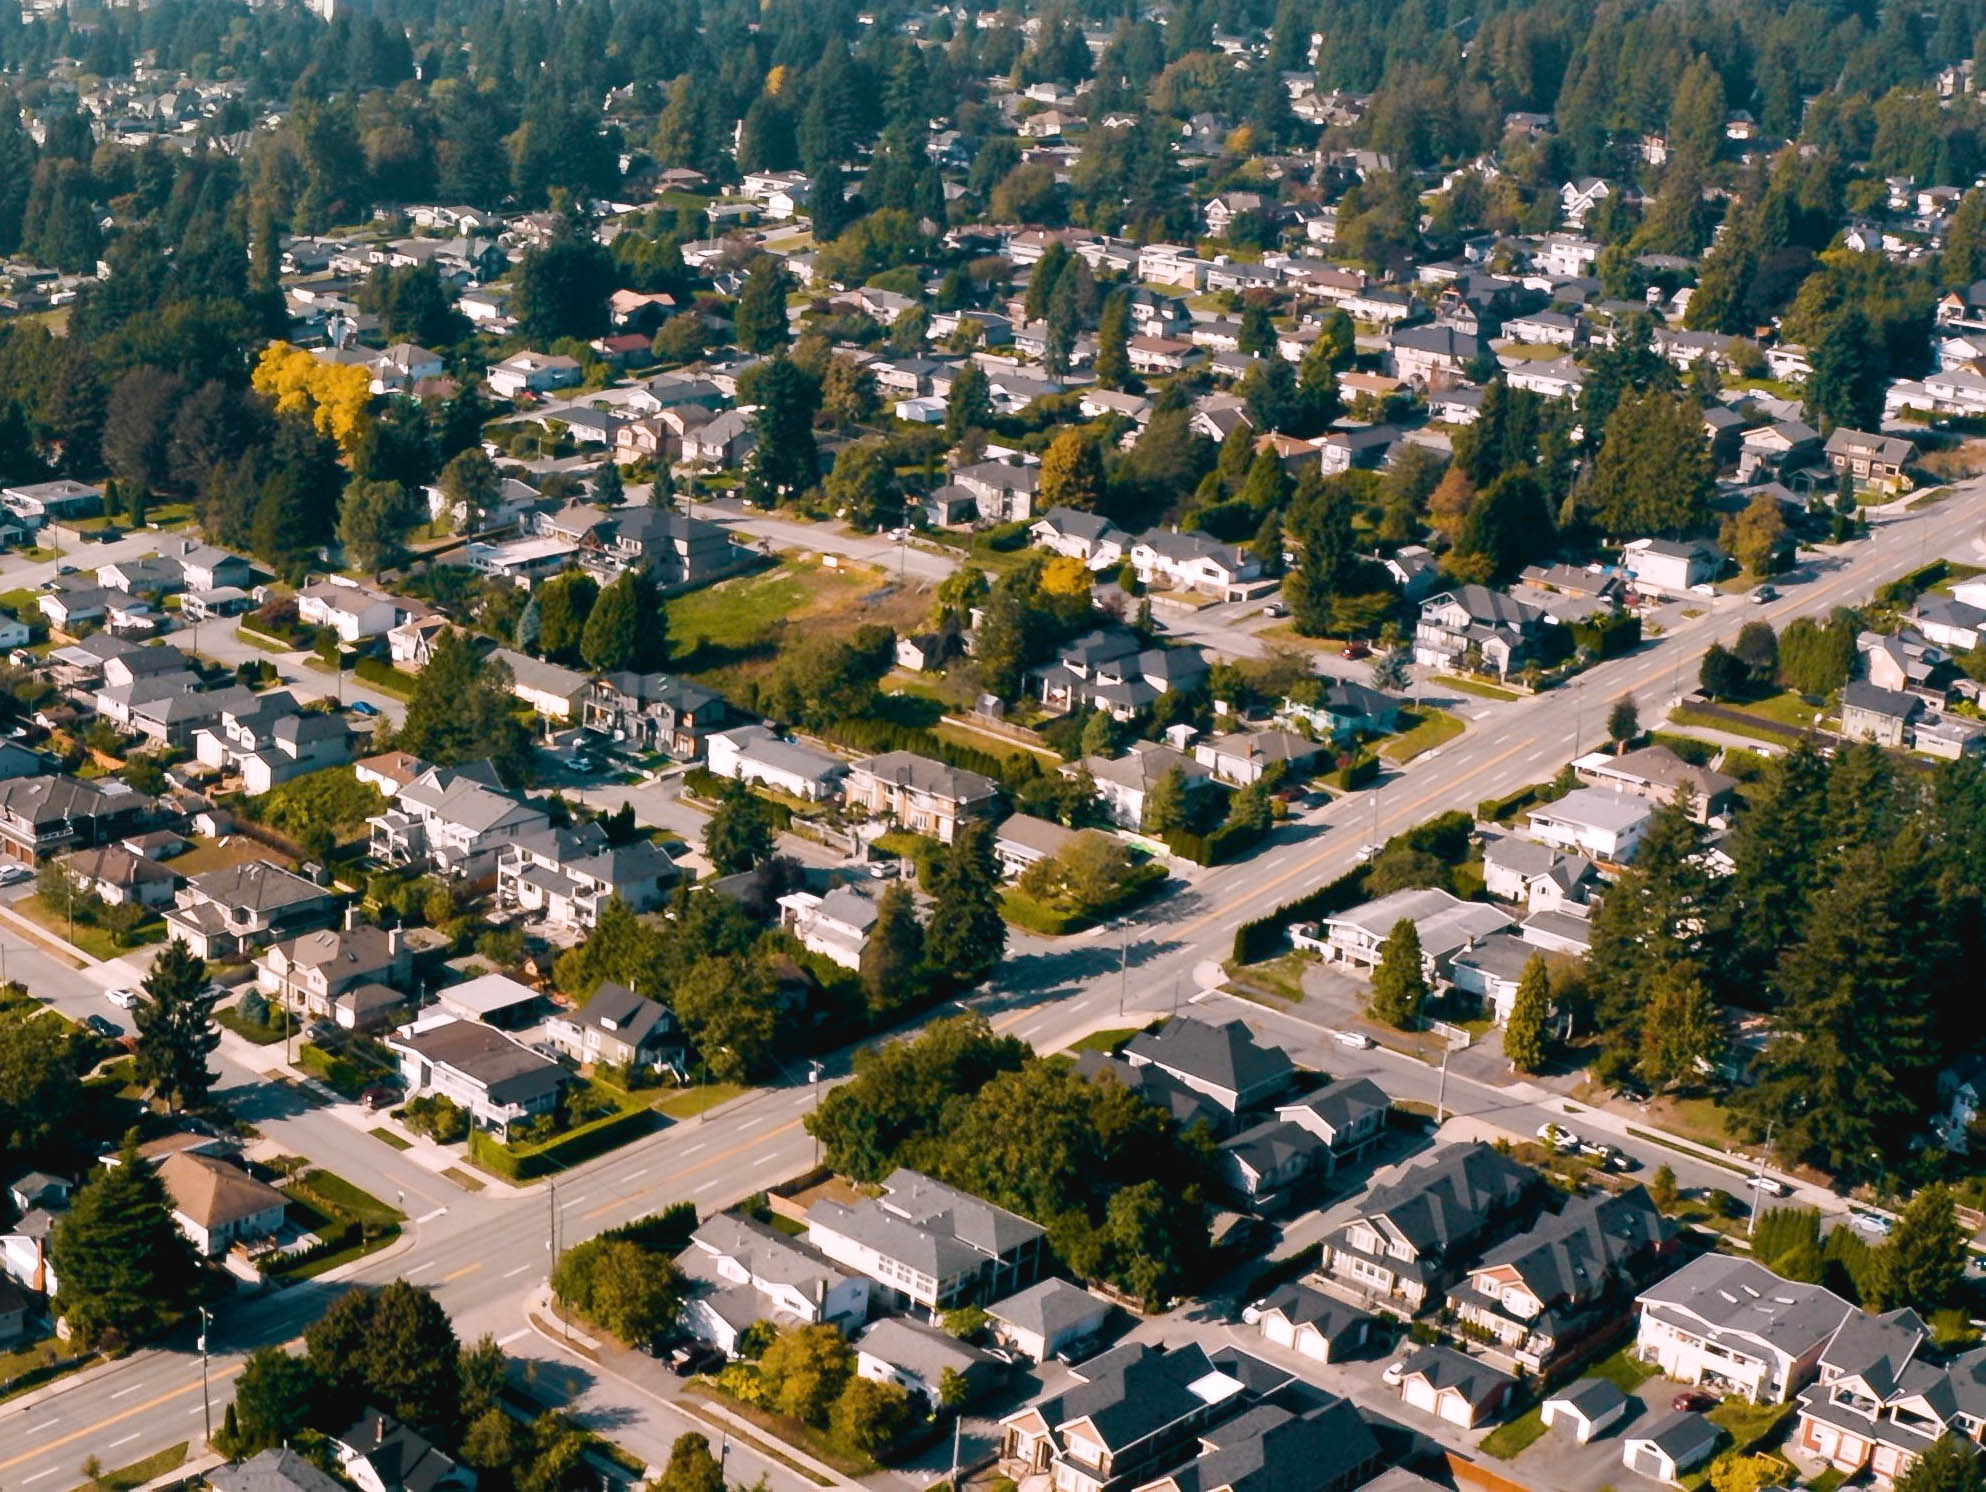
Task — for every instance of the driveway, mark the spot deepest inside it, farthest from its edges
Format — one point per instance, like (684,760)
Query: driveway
(1557,1461)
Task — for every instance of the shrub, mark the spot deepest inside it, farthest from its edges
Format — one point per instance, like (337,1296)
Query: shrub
(438,1117)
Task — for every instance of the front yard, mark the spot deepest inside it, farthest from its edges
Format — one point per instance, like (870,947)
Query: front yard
(1429,728)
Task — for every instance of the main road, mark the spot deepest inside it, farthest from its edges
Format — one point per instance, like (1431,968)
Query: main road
(484,1252)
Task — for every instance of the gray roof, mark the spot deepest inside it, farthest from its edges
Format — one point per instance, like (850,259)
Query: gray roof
(758,744)
(1681,1435)
(1524,857)
(536,674)
(1597,808)
(1273,1144)
(768,1253)
(1271,1449)
(1224,1056)
(932,1204)
(42,800)
(1443,1367)
(1302,1305)
(1157,1087)
(924,1351)
(1573,1254)
(619,1010)
(931,1227)
(1444,922)
(509,1073)
(1027,832)
(1591,1397)
(1446,1201)
(1049,1308)
(1859,694)
(1737,1299)
(1343,1103)
(256,885)
(921,774)
(1501,955)
(272,1471)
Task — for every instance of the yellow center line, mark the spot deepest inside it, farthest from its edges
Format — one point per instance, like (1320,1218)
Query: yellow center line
(220,1376)
(702,1165)
(465,1269)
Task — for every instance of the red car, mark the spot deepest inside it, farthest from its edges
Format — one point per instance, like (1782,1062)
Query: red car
(1355,650)
(1692,1402)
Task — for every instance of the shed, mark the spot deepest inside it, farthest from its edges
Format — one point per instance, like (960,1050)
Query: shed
(1585,1408)
(1670,1446)
(494,998)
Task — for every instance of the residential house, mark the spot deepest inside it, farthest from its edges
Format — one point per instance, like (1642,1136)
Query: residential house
(656,712)
(1023,840)
(1732,1325)
(918,1358)
(1224,1062)
(554,692)
(1542,1295)
(1472,625)
(1414,1236)
(217,1204)
(1272,1166)
(1433,355)
(456,821)
(753,753)
(1670,1446)
(1776,448)
(1110,669)
(929,1246)
(1955,625)
(1093,539)
(1884,1397)
(1453,1386)
(1328,1446)
(1593,821)
(1535,876)
(313,972)
(835,925)
(37,503)
(1310,1323)
(1245,756)
(1672,567)
(119,877)
(353,611)
(1446,924)
(742,1271)
(1659,775)
(922,795)
(1906,660)
(1347,712)
(1883,716)
(1046,1317)
(243,906)
(522,562)
(273,1470)
(1124,784)
(723,442)
(1004,492)
(1543,329)
(1874,460)
(499,1081)
(1194,562)
(1349,1116)
(531,373)
(1162,355)
(379,1454)
(42,816)
(268,739)
(616,1027)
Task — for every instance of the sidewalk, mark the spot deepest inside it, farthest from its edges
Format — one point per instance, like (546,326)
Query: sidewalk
(45,940)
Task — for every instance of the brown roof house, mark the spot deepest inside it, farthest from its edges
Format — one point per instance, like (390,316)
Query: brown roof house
(313,972)
(217,1204)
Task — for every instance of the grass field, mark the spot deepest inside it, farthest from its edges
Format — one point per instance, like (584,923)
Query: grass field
(687,1103)
(1433,728)
(1103,1041)
(92,940)
(138,1472)
(211,854)
(1745,725)
(1474,686)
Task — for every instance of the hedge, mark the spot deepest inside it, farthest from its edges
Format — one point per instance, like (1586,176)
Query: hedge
(865,733)
(1229,842)
(1356,774)
(1608,636)
(707,785)
(382,674)
(1263,937)
(1496,810)
(562,1151)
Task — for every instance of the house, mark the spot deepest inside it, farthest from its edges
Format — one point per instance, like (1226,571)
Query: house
(1732,1325)
(1272,1166)
(1161,355)
(752,753)
(42,816)
(312,972)
(1672,567)
(34,1189)
(1125,783)
(389,771)
(1949,622)
(1473,622)
(1875,460)
(499,1081)
(1023,840)
(1667,1447)
(1005,493)
(1349,1116)
(555,693)
(836,925)
(1093,539)
(1453,1386)
(1049,1315)
(1357,937)
(353,611)
(120,877)
(379,1454)
(238,907)
(1432,355)
(1906,660)
(1325,1446)
(1245,756)
(493,999)
(569,874)
(455,820)
(928,1246)
(1884,1396)
(217,1204)
(1593,821)
(1775,448)
(1129,1413)
(1225,1062)
(1533,875)
(272,1470)
(531,373)
(722,442)
(1310,1323)
(742,1271)
(269,739)
(1159,1088)
(1108,669)
(1542,1295)
(655,712)
(1657,774)
(39,502)
(1585,1408)
(923,796)
(1883,716)
(616,1027)
(522,562)
(919,1358)
(1412,1237)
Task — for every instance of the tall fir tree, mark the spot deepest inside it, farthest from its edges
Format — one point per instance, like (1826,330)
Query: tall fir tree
(1399,984)
(1525,1031)
(125,1268)
(176,1030)
(966,936)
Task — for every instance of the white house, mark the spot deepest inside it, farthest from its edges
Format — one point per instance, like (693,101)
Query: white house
(1733,1325)
(499,1081)
(1194,562)
(752,753)
(742,1271)
(455,818)
(1446,925)
(570,874)
(217,1204)
(353,611)
(555,692)
(1671,566)
(531,373)
(1606,825)
(836,925)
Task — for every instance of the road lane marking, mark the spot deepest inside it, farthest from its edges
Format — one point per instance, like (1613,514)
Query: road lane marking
(636,1175)
(692,1150)
(466,1269)
(522,1331)
(422,1268)
(125,1441)
(47,1424)
(516,1272)
(704,1188)
(134,1388)
(39,1476)
(748,1123)
(715,1160)
(765,1160)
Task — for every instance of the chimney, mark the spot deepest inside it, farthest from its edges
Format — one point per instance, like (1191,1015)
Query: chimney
(352,917)
(393,937)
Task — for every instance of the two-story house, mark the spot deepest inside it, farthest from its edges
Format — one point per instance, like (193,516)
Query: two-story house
(1474,626)
(1411,1238)
(742,1271)
(835,925)
(618,1027)
(1733,1325)
(1194,562)
(569,874)
(1111,669)
(1875,460)
(1346,712)
(499,1081)
(1089,537)
(225,911)
(313,972)
(1124,784)
(924,796)
(456,820)
(353,611)
(43,816)
(1349,1116)
(929,1247)
(268,739)
(656,712)
(1446,924)
(1225,1062)
(1005,493)
(1883,1398)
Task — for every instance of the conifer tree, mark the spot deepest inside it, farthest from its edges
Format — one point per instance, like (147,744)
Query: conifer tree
(124,1266)
(1399,984)
(1524,1033)
(176,1030)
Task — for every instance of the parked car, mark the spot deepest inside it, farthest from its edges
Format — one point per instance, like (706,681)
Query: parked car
(1558,1137)
(103,1027)
(1764,594)
(363,707)
(379,1096)
(1870,1223)
(692,1358)
(123,999)
(1355,650)
(1766,1186)
(1358,1041)
(1395,1371)
(13,875)
(1691,1401)
(1275,609)
(1368,851)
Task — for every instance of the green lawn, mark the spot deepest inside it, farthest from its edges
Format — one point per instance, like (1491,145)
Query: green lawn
(1281,975)
(94,941)
(387,1137)
(1757,727)
(348,1198)
(1506,1441)
(1103,1041)
(1433,728)
(687,1103)
(736,613)
(20,603)
(138,1472)
(1784,708)
(1750,1425)
(1475,686)
(1624,1370)
(261,1035)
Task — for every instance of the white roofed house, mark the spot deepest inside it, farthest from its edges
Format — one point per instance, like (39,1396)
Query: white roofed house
(742,1271)
(1446,925)
(753,753)
(531,373)
(455,820)
(929,1247)
(1672,566)
(570,874)
(1089,537)
(836,925)
(268,739)
(1733,1325)
(1606,825)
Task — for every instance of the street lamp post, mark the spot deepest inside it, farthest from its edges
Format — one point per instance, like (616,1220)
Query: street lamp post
(206,1403)
(1758,1179)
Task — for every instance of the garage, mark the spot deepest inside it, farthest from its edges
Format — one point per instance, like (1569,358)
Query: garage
(1453,1386)
(1671,1446)
(1585,1409)
(1310,1323)
(1279,1329)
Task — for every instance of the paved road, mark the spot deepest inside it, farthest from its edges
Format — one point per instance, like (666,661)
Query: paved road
(482,1252)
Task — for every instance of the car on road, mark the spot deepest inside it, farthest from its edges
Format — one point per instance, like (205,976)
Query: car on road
(1767,1187)
(1368,851)
(65,569)
(123,999)
(1870,1224)
(583,765)
(13,875)
(1558,1137)
(1276,609)
(363,707)
(105,1028)
(1358,1041)
(1691,1401)
(1764,594)
(1355,650)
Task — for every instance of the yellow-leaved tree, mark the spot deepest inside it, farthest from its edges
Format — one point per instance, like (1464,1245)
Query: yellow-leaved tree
(336,396)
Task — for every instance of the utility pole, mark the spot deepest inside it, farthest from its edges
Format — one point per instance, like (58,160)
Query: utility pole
(1758,1189)
(1441,1093)
(206,1403)
(958,1424)
(1123,967)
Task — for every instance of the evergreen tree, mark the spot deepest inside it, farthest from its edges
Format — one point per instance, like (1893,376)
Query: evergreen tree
(460,711)
(1965,241)
(1063,324)
(374,520)
(176,1030)
(691,1468)
(125,1267)
(1113,363)
(893,958)
(1165,803)
(1399,984)
(565,602)
(787,458)
(562,288)
(628,627)
(966,936)
(1649,923)
(1623,722)
(760,318)
(273,1401)
(1948,1464)
(1653,475)
(1778,852)
(530,627)
(608,489)
(969,406)
(738,835)
(1525,1032)
(1850,373)
(1679,1026)
(1923,1264)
